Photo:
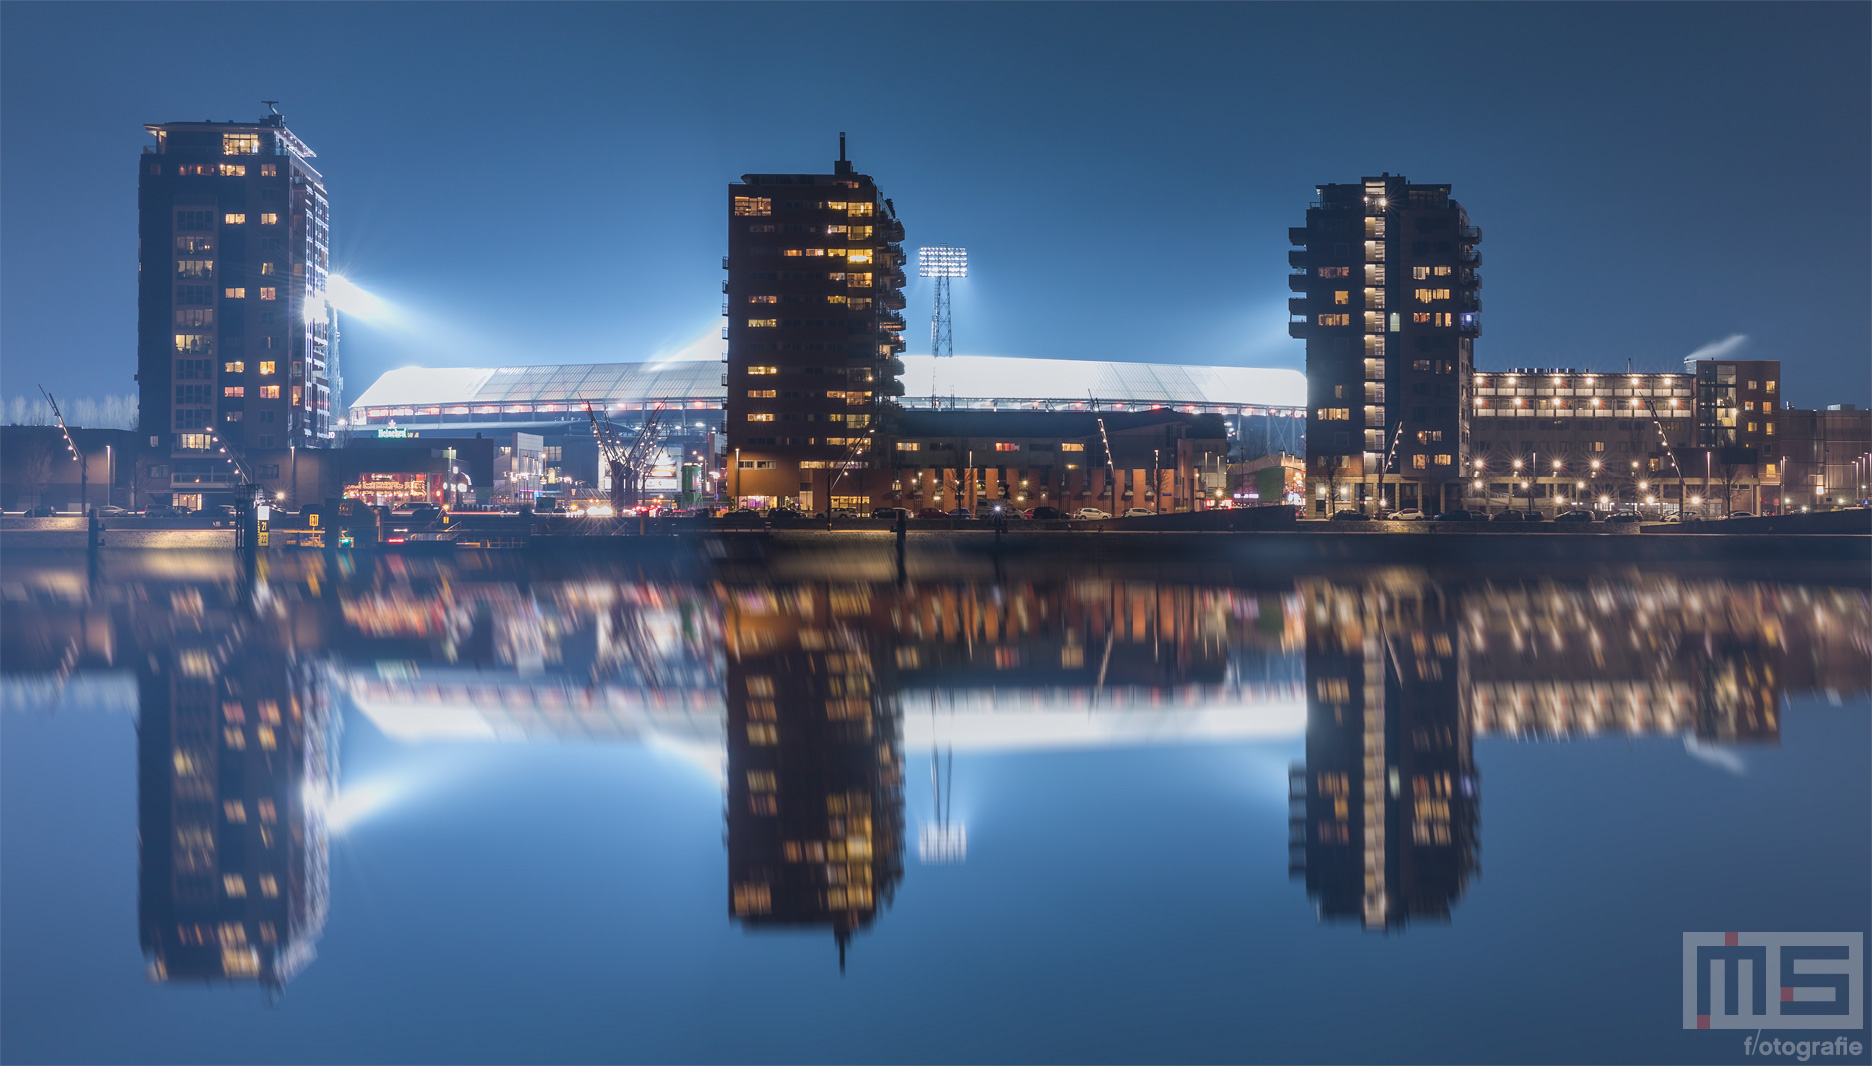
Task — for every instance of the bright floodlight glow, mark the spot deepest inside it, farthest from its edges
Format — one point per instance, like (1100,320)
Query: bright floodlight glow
(347,297)
(942,261)
(942,844)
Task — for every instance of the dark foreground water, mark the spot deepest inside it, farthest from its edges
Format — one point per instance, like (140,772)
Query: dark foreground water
(484,810)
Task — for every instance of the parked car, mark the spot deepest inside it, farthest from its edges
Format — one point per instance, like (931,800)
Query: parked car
(424,513)
(785,512)
(1349,515)
(1623,518)
(111,510)
(1409,514)
(1743,514)
(743,513)
(44,510)
(1090,514)
(1506,516)
(1459,515)
(962,513)
(1046,514)
(931,512)
(1138,512)
(1574,515)
(1533,516)
(890,513)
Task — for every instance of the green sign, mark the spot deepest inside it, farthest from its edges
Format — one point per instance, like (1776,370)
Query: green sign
(394,433)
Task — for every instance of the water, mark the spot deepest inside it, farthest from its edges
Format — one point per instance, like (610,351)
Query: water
(795,809)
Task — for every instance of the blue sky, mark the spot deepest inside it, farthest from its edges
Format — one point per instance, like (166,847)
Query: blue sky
(544,183)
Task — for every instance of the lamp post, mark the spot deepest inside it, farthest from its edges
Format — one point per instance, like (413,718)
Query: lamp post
(737,477)
(1157,479)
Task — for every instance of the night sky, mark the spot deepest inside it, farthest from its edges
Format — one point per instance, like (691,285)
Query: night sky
(541,183)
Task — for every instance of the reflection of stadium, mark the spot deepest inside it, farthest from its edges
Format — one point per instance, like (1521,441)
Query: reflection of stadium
(808,699)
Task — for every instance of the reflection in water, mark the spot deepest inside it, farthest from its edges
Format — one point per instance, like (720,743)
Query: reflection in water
(805,698)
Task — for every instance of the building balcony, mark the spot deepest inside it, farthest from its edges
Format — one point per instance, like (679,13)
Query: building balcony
(891,321)
(1298,282)
(1470,257)
(890,229)
(1469,280)
(1469,325)
(1298,327)
(894,367)
(1469,302)
(1297,235)
(890,387)
(1297,258)
(1470,234)
(1298,306)
(892,299)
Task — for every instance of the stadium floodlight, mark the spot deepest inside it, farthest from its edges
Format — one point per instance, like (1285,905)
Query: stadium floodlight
(942,261)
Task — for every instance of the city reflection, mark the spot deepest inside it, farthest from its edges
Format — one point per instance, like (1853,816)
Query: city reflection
(808,699)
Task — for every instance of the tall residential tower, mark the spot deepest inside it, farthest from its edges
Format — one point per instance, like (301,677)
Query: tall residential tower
(815,283)
(233,332)
(1389,311)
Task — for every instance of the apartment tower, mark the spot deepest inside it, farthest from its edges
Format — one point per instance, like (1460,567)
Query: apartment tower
(1387,303)
(234,341)
(815,283)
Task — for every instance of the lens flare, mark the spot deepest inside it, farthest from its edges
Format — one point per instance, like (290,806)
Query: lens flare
(345,296)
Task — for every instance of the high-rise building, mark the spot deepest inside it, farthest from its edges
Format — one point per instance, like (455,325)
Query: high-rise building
(234,335)
(1389,311)
(815,283)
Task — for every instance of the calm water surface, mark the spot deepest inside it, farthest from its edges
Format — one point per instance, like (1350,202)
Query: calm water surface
(479,809)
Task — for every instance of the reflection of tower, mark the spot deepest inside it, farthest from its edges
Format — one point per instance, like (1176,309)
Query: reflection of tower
(1386,822)
(815,763)
(235,747)
(941,841)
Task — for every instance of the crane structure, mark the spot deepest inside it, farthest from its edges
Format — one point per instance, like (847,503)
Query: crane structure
(628,462)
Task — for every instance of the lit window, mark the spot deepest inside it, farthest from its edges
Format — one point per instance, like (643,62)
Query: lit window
(233,170)
(269,294)
(235,294)
(269,170)
(761,685)
(753,205)
(761,781)
(235,885)
(909,446)
(1342,296)
(759,323)
(240,144)
(268,268)
(1069,446)
(269,886)
(236,739)
(1770,386)
(1005,446)
(233,368)
(236,811)
(1420,318)
(1424,296)
(761,394)
(760,370)
(1444,460)
(234,220)
(1335,272)
(236,391)
(1441,272)
(1335,320)
(269,219)
(269,392)
(763,299)
(268,813)
(760,418)
(1419,462)
(763,734)
(1420,273)
(266,366)
(1335,414)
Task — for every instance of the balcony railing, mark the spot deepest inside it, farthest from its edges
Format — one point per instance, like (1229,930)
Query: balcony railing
(1297,235)
(1297,259)
(1298,306)
(1297,282)
(1471,234)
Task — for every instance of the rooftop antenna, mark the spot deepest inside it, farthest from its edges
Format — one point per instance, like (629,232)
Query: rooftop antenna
(271,106)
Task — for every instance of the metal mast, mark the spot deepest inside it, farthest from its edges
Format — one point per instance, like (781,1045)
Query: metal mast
(941,262)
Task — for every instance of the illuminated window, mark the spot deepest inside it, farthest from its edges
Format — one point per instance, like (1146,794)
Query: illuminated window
(909,446)
(763,299)
(269,294)
(761,781)
(1069,446)
(1444,460)
(194,342)
(269,219)
(236,811)
(1004,446)
(1441,272)
(860,210)
(269,170)
(763,734)
(1770,386)
(1421,318)
(1420,273)
(235,738)
(1424,296)
(752,897)
(1335,272)
(1335,320)
(234,220)
(269,392)
(759,323)
(753,205)
(269,886)
(1342,296)
(236,294)
(240,144)
(233,170)
(760,418)
(235,885)
(761,370)
(236,391)
(1429,436)
(1335,414)
(761,394)
(194,268)
(266,366)
(268,268)
(268,813)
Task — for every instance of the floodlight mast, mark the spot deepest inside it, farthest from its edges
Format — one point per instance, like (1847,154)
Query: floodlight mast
(942,262)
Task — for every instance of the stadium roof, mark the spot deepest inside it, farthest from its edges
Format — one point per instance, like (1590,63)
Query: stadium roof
(960,378)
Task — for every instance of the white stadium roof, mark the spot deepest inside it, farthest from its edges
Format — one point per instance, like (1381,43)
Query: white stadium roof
(961,378)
